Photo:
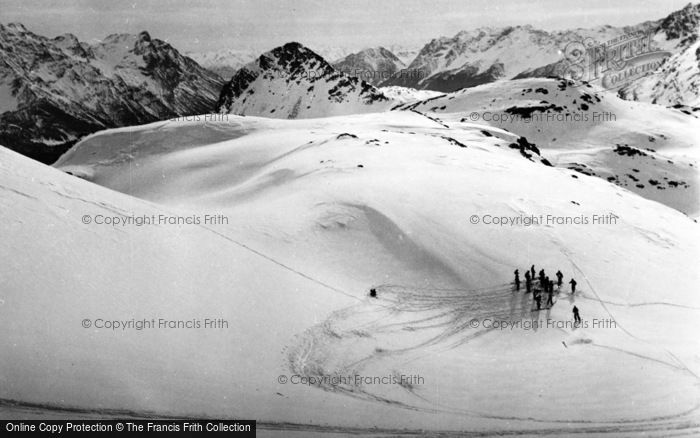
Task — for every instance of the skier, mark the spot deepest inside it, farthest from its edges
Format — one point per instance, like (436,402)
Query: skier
(546,285)
(541,276)
(573,286)
(532,271)
(528,284)
(559,277)
(550,303)
(551,286)
(577,317)
(527,275)
(538,300)
(517,280)
(373,293)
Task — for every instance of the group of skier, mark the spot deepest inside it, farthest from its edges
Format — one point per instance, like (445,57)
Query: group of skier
(546,286)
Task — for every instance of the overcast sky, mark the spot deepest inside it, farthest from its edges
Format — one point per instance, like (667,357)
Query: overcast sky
(204,25)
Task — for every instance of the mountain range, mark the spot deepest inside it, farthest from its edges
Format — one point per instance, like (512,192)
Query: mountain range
(56,90)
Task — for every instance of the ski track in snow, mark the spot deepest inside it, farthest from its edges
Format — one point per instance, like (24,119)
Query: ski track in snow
(681,366)
(422,310)
(442,314)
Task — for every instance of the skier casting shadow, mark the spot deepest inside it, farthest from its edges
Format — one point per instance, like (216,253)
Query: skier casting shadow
(538,300)
(577,317)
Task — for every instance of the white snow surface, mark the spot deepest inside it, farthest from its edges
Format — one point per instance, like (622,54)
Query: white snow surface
(407,95)
(309,232)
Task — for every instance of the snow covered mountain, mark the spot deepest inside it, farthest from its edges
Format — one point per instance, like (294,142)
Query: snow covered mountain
(292,81)
(318,212)
(371,65)
(647,149)
(55,91)
(224,63)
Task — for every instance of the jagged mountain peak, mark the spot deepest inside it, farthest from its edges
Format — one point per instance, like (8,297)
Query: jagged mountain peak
(144,36)
(293,57)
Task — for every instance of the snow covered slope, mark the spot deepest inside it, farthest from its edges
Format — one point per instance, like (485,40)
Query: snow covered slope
(294,82)
(648,149)
(55,91)
(677,82)
(320,210)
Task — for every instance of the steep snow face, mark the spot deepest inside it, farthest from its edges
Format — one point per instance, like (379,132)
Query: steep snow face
(320,211)
(371,65)
(294,82)
(62,89)
(676,83)
(648,149)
